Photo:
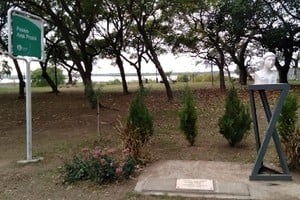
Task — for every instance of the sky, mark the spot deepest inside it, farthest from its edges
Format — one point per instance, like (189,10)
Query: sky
(169,63)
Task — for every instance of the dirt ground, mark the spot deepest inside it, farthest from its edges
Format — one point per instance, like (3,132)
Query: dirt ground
(63,124)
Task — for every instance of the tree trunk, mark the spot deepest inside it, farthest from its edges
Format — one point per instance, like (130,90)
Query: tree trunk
(50,82)
(155,60)
(87,81)
(240,61)
(283,70)
(161,72)
(164,79)
(296,66)
(139,74)
(222,79)
(48,79)
(122,73)
(221,64)
(243,75)
(88,89)
(229,74)
(283,74)
(70,78)
(21,80)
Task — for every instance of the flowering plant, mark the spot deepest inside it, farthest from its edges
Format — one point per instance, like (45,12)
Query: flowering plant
(97,165)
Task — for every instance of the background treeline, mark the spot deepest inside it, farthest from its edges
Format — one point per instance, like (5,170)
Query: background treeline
(220,33)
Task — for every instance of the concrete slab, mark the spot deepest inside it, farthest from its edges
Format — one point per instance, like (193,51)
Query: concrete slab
(165,186)
(159,185)
(231,180)
(232,188)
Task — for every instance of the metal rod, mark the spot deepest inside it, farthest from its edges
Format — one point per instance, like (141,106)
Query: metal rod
(254,119)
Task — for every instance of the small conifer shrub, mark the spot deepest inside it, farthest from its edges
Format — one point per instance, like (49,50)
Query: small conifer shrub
(188,117)
(236,121)
(139,118)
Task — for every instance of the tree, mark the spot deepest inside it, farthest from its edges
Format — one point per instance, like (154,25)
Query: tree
(38,79)
(238,31)
(137,51)
(4,6)
(75,21)
(296,60)
(279,28)
(72,75)
(292,8)
(61,57)
(151,23)
(5,70)
(51,52)
(199,33)
(113,29)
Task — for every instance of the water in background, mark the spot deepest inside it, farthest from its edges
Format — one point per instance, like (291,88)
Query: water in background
(98,78)
(128,78)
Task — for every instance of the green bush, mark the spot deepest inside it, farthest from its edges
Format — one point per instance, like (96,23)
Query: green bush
(235,123)
(199,77)
(5,69)
(292,150)
(139,117)
(288,117)
(183,78)
(114,82)
(286,127)
(203,78)
(97,165)
(39,81)
(207,77)
(188,117)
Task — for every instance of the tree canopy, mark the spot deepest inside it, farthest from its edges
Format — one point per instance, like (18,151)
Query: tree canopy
(219,32)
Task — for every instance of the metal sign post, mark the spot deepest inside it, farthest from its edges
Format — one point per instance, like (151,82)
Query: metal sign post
(25,42)
(28,113)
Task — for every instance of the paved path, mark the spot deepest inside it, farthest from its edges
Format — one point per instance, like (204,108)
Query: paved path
(230,181)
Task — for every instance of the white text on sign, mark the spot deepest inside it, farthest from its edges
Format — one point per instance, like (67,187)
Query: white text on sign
(24,34)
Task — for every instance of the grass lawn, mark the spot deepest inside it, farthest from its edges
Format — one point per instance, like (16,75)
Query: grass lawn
(64,124)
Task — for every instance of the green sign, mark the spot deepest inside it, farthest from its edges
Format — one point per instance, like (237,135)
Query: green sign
(26,38)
